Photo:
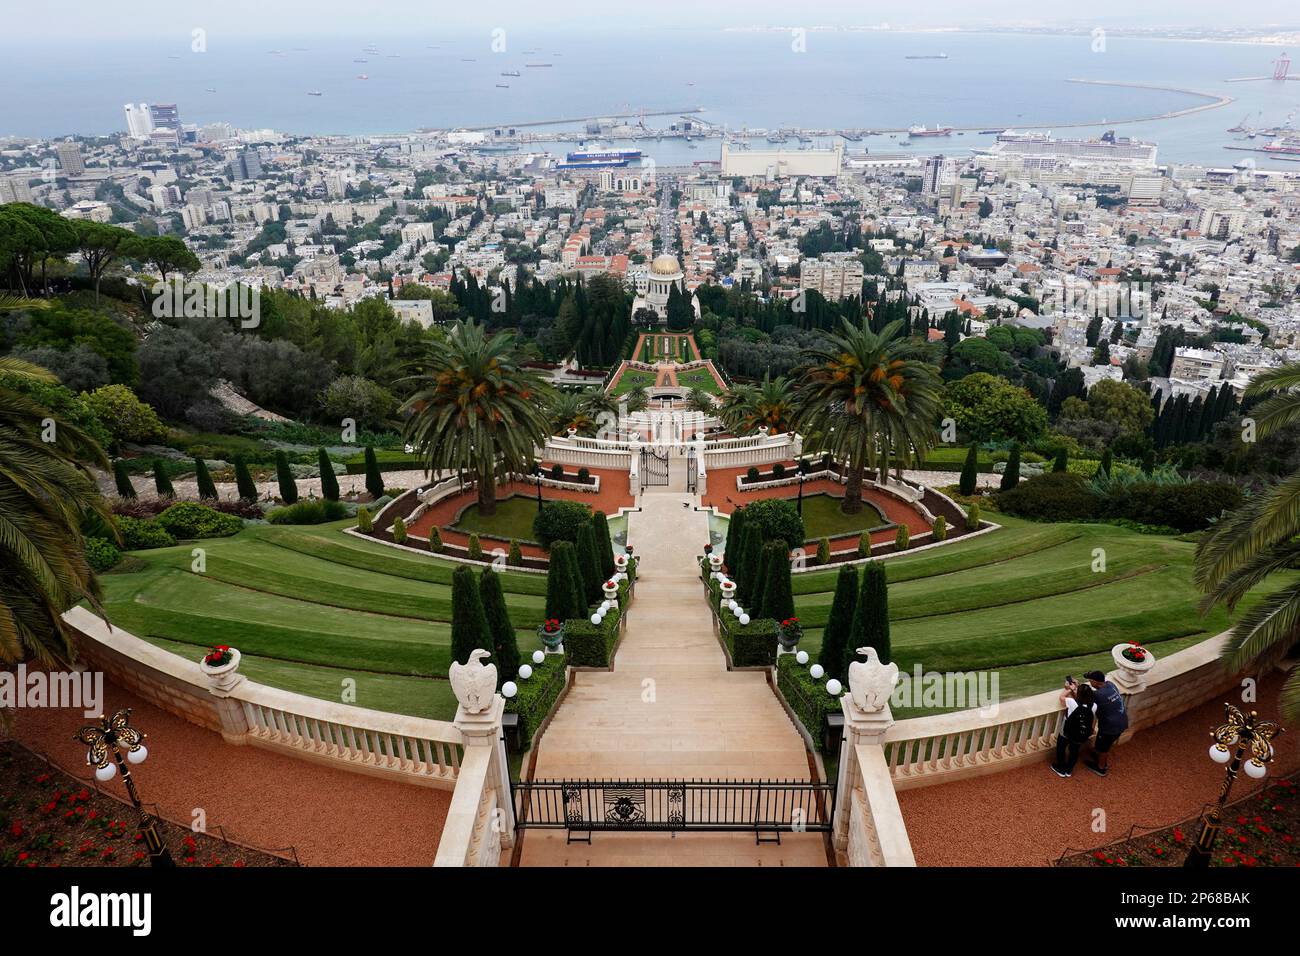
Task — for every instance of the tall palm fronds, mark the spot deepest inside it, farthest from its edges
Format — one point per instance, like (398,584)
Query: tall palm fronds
(698,400)
(1258,539)
(580,411)
(769,405)
(871,399)
(476,409)
(46,492)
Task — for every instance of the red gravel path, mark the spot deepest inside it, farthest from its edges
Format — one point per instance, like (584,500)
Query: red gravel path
(613,494)
(332,817)
(723,494)
(1029,816)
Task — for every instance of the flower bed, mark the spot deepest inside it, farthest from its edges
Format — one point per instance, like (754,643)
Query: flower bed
(1261,830)
(49,818)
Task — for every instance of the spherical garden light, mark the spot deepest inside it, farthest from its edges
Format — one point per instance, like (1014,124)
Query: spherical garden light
(833,687)
(1219,753)
(539,656)
(509,689)
(137,756)
(816,671)
(802,657)
(525,671)
(595,618)
(105,773)
(743,619)
(1255,768)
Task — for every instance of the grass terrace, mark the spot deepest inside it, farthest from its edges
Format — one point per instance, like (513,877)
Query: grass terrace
(631,378)
(513,520)
(700,378)
(822,518)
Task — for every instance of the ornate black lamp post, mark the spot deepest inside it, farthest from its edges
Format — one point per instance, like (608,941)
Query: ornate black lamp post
(106,742)
(537,476)
(1252,737)
(803,475)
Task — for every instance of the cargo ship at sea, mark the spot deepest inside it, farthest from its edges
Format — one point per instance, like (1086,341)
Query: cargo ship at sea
(926,56)
(1288,145)
(925,131)
(602,155)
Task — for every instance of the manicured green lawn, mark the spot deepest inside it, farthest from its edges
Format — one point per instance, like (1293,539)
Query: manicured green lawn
(631,378)
(700,378)
(309,607)
(513,520)
(822,518)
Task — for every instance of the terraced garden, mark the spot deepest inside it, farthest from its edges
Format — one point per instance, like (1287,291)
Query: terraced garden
(1026,602)
(311,607)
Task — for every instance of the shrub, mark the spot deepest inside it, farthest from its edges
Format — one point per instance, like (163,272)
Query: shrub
(778,470)
(101,554)
(778,602)
(187,519)
(284,475)
(329,482)
(751,550)
(824,551)
(1188,507)
(752,644)
(939,530)
(469,629)
(399,532)
(808,698)
(902,538)
(537,696)
(604,543)
(864,547)
(563,587)
(776,518)
(1055,496)
(589,563)
(752,473)
(374,479)
(239,508)
(474,549)
(244,480)
(435,540)
(731,546)
(839,623)
(591,645)
(161,482)
(557,472)
(364,521)
(203,478)
(969,471)
(584,474)
(504,646)
(560,521)
(122,479)
(871,615)
(310,512)
(1011,477)
(515,558)
(126,417)
(1062,461)
(973,516)
(139,534)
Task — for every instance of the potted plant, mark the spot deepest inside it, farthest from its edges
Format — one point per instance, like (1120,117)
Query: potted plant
(715,563)
(551,633)
(220,665)
(1133,661)
(620,562)
(788,633)
(727,589)
(610,588)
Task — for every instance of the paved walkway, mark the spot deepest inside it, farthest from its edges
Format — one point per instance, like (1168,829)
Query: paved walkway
(670,709)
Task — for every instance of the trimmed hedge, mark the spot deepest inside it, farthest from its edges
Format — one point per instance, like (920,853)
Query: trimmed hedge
(187,519)
(807,698)
(1054,496)
(316,511)
(591,645)
(537,696)
(752,644)
(139,534)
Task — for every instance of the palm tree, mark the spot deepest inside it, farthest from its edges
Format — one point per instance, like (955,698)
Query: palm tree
(770,405)
(474,408)
(1258,539)
(635,398)
(571,410)
(46,493)
(871,399)
(698,400)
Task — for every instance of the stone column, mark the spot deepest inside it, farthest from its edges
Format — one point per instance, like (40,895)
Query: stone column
(866,719)
(484,729)
(222,682)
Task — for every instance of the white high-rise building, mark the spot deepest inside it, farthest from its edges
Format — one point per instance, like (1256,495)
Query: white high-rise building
(15,189)
(139,122)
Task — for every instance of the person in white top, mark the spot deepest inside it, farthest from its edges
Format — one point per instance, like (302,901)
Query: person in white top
(1076,728)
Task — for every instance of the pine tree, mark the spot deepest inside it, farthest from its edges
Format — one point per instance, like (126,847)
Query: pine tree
(1011,477)
(604,544)
(203,478)
(284,475)
(374,478)
(969,471)
(778,600)
(839,624)
(469,629)
(244,480)
(122,479)
(329,482)
(161,482)
(871,616)
(563,590)
(505,645)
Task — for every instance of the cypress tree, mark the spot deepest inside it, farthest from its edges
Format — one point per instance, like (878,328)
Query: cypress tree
(474,549)
(435,539)
(1062,462)
(122,478)
(284,475)
(778,601)
(505,646)
(969,471)
(589,563)
(563,592)
(871,616)
(1011,477)
(754,602)
(515,558)
(161,482)
(469,629)
(244,480)
(839,625)
(207,489)
(751,548)
(731,548)
(374,478)
(604,544)
(329,482)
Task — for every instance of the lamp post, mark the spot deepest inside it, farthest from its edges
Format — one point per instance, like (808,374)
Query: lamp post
(106,742)
(1251,736)
(803,475)
(537,476)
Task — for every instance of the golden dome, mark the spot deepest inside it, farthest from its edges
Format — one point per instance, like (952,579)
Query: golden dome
(665,265)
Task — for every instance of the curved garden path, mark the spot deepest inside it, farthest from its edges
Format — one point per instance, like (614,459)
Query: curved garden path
(670,709)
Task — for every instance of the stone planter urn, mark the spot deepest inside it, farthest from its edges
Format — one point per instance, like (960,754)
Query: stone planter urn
(620,562)
(551,634)
(715,562)
(1132,662)
(610,589)
(223,676)
(788,633)
(728,590)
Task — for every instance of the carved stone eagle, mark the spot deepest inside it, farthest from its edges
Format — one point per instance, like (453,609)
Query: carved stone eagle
(870,682)
(474,683)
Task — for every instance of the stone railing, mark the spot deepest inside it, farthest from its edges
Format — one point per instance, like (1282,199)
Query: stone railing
(480,821)
(753,450)
(410,749)
(877,835)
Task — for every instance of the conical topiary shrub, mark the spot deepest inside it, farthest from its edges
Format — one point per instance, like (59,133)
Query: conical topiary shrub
(244,480)
(374,478)
(469,629)
(161,482)
(969,471)
(284,476)
(778,601)
(505,646)
(122,479)
(604,544)
(329,482)
(871,616)
(203,478)
(564,598)
(839,624)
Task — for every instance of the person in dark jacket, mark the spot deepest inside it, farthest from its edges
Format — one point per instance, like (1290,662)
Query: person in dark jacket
(1076,728)
(1112,720)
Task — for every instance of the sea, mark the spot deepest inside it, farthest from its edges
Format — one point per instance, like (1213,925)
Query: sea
(741,80)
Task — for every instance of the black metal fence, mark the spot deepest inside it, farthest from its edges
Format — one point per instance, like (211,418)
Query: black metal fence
(761,807)
(654,468)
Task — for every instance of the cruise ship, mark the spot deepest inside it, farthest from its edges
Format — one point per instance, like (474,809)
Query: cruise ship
(1290,145)
(601,154)
(1109,148)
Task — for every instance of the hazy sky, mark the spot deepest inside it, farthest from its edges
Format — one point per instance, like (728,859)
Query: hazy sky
(58,21)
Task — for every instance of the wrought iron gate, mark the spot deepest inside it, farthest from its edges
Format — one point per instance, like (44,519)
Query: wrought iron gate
(654,468)
(767,808)
(692,473)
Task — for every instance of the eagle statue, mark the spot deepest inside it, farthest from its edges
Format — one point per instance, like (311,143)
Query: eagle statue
(870,682)
(474,683)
